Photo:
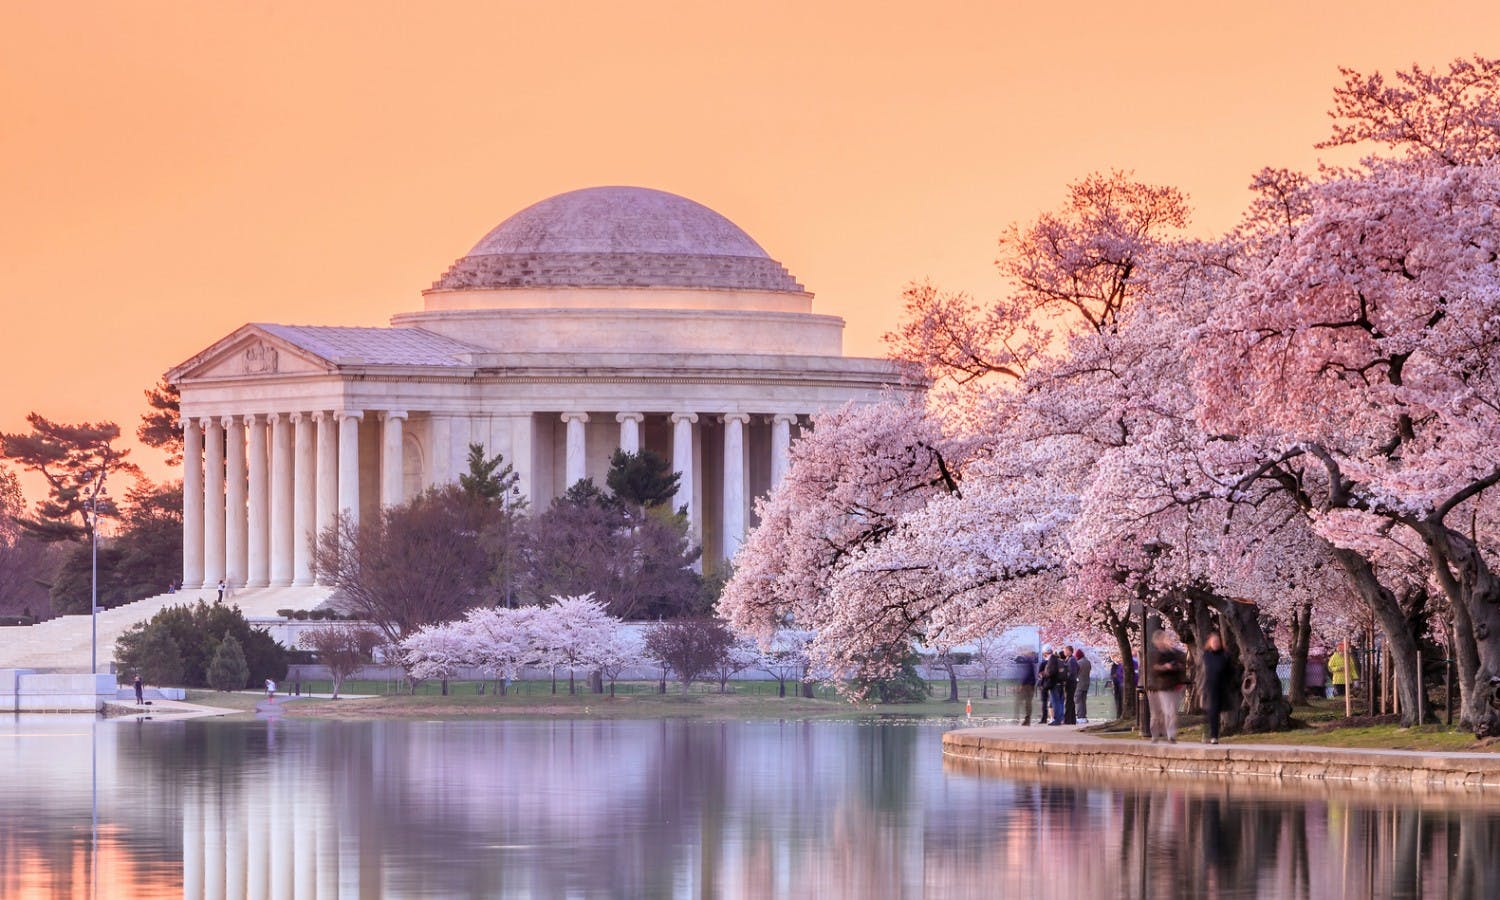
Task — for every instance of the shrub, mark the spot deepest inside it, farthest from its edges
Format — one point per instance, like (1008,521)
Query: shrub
(196,630)
(228,670)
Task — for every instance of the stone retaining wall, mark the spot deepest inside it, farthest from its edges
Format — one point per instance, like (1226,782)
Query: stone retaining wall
(23,690)
(1404,769)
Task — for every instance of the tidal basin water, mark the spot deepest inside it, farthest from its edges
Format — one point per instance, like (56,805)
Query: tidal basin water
(675,808)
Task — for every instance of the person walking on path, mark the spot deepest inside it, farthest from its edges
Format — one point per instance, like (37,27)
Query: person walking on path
(1343,668)
(1025,685)
(1215,683)
(140,692)
(270,690)
(1117,683)
(1166,672)
(1081,692)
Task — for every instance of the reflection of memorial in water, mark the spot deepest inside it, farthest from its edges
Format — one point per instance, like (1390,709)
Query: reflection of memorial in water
(682,808)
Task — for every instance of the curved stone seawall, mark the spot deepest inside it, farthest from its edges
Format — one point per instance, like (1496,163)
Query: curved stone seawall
(1015,751)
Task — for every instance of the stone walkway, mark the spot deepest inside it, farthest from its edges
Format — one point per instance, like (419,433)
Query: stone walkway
(1053,747)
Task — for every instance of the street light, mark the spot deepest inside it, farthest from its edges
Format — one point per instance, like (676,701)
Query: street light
(94,585)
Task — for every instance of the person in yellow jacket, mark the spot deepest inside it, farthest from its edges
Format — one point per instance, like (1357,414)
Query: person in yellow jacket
(1343,669)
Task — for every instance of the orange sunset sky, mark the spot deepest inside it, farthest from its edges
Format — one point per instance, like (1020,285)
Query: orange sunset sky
(170,171)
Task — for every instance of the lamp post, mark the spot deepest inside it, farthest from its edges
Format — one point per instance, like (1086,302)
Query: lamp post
(94,585)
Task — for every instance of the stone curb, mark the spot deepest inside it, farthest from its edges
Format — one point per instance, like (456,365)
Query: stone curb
(1408,769)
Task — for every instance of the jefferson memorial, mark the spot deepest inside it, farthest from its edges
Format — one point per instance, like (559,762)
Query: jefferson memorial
(604,318)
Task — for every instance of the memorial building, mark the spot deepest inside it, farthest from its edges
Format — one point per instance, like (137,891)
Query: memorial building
(604,318)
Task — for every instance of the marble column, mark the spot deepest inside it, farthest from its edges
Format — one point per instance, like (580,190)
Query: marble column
(236,527)
(440,460)
(576,468)
(781,445)
(521,430)
(192,503)
(328,471)
(304,498)
(734,482)
(213,502)
(349,465)
(630,431)
(682,462)
(392,458)
(281,499)
(258,541)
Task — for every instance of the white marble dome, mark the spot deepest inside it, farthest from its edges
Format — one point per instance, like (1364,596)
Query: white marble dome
(617,237)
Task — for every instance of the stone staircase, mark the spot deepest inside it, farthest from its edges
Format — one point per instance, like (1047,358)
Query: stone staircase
(62,644)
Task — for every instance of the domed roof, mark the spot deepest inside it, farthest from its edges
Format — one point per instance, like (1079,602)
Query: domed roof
(617,237)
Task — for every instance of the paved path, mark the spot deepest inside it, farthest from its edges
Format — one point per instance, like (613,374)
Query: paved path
(1066,746)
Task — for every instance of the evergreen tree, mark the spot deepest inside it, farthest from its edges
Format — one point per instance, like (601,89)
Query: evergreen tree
(643,479)
(228,671)
(76,462)
(492,480)
(159,660)
(159,426)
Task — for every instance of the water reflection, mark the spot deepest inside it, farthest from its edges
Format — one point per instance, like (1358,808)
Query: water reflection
(675,808)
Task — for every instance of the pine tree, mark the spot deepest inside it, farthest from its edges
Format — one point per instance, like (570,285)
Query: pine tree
(491,480)
(76,462)
(642,480)
(157,658)
(228,671)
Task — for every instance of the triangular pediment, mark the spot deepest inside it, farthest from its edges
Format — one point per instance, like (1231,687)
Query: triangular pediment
(250,352)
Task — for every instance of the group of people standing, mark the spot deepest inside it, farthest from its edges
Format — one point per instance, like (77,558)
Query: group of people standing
(1061,677)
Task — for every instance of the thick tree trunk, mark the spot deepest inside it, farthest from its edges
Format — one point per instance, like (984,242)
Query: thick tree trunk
(1301,641)
(1402,643)
(952,684)
(1120,628)
(1265,706)
(1474,592)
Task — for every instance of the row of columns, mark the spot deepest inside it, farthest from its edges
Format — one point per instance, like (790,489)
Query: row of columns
(273,482)
(257,489)
(736,478)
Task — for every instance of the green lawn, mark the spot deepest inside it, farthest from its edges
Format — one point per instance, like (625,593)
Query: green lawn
(743,699)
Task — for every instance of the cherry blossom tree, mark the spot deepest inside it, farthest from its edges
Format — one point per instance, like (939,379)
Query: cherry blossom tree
(1361,358)
(436,651)
(570,633)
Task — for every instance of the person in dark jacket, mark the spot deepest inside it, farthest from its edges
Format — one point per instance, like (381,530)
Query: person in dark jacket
(1057,685)
(1025,685)
(1166,672)
(1215,683)
(1070,685)
(1042,686)
(1117,684)
(1085,671)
